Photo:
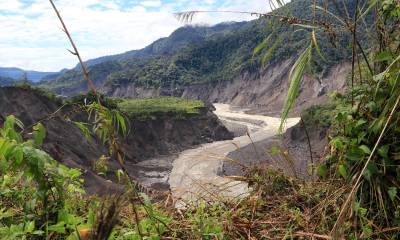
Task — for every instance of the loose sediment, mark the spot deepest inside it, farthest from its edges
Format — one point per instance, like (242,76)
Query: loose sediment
(194,174)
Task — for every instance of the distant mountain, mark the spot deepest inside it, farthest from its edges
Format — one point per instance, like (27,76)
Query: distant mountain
(198,55)
(182,37)
(101,68)
(18,74)
(5,81)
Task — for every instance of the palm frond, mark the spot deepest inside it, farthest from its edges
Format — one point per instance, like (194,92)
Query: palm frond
(185,17)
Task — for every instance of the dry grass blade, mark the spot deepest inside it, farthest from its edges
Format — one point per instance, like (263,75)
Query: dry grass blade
(316,45)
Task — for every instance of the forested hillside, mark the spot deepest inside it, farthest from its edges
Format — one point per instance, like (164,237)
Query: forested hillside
(101,68)
(209,57)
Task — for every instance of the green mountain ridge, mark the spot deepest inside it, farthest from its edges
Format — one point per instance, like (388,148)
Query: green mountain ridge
(18,74)
(182,59)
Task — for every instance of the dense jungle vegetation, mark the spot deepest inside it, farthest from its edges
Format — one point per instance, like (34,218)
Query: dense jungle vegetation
(354,196)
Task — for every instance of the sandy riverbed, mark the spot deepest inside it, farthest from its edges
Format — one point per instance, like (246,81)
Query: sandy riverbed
(195,172)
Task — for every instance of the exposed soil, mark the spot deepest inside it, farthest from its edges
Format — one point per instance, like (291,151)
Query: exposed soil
(149,139)
(294,141)
(263,92)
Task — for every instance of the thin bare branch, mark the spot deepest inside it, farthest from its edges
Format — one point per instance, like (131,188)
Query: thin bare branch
(75,50)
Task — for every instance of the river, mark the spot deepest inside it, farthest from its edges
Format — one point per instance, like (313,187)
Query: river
(195,171)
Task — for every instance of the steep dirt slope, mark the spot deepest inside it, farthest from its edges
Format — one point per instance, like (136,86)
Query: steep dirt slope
(66,143)
(297,161)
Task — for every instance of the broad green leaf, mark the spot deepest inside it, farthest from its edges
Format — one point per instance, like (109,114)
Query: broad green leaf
(359,210)
(365,149)
(337,143)
(30,227)
(384,56)
(322,171)
(384,151)
(342,170)
(5,213)
(58,228)
(18,156)
(355,154)
(39,133)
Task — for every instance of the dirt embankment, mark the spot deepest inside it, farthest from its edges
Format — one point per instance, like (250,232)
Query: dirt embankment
(264,91)
(296,161)
(66,143)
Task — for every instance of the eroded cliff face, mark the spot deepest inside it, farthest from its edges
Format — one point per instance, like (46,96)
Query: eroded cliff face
(66,143)
(263,92)
(294,156)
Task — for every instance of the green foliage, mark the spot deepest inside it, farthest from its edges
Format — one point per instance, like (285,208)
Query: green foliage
(359,121)
(89,98)
(153,225)
(107,123)
(152,107)
(319,115)
(39,133)
(100,166)
(206,221)
(34,213)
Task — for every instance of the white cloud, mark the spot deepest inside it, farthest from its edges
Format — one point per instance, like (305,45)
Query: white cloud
(151,3)
(30,36)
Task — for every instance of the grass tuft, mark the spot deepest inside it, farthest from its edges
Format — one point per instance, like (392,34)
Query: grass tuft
(153,107)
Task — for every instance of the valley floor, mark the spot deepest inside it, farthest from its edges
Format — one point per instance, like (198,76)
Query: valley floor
(194,173)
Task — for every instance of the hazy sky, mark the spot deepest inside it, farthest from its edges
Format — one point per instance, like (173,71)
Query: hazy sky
(30,35)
